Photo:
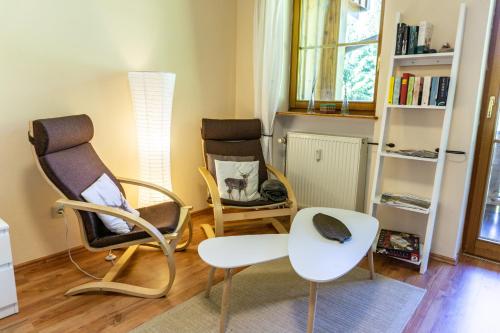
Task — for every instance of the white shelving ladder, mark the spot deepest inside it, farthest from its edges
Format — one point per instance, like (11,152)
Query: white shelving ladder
(453,59)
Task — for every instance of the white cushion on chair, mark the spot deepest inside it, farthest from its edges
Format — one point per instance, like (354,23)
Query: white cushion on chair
(105,192)
(238,181)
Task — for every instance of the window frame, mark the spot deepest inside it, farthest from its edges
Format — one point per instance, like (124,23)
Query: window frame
(355,108)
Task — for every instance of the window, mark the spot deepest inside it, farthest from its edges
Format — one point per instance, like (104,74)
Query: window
(335,47)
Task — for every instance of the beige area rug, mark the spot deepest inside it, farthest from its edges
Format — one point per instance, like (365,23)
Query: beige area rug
(272,298)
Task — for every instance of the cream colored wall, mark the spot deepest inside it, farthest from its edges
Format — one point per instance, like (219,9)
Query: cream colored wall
(69,57)
(443,14)
(244,59)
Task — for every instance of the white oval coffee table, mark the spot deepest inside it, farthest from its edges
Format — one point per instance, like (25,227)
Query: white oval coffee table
(239,251)
(318,259)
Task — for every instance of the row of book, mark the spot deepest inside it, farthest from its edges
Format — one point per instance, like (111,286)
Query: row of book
(399,244)
(422,90)
(413,39)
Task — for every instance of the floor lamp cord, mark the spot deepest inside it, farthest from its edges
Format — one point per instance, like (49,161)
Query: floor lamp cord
(71,257)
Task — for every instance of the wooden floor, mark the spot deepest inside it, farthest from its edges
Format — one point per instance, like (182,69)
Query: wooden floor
(463,298)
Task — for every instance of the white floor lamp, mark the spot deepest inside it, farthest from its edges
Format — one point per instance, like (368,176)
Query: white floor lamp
(152,97)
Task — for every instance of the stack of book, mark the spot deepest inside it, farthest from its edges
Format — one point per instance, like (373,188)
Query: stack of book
(406,201)
(421,90)
(399,244)
(413,39)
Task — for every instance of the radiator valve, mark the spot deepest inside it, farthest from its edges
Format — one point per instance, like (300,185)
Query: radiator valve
(282,140)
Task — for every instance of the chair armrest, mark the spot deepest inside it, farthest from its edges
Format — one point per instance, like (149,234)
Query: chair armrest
(212,185)
(152,186)
(138,221)
(281,177)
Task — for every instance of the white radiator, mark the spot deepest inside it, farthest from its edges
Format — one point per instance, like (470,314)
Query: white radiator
(326,170)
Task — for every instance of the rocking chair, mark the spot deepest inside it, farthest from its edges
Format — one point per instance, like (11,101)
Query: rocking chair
(241,138)
(65,157)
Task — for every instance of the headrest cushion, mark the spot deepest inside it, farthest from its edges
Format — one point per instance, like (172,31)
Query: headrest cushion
(56,134)
(230,129)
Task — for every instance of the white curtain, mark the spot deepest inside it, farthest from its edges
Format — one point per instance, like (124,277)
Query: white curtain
(272,27)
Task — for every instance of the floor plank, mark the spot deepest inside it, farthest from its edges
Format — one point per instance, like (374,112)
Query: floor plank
(459,298)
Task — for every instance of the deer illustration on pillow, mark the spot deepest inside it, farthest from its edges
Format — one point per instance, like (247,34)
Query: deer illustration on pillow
(238,184)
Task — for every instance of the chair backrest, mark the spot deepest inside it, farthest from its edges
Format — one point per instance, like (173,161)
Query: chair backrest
(234,137)
(66,157)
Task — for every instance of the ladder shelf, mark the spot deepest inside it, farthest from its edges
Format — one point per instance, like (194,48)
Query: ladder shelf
(398,62)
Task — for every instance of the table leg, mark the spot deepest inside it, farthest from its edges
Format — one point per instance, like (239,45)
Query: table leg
(313,295)
(210,281)
(225,300)
(370,264)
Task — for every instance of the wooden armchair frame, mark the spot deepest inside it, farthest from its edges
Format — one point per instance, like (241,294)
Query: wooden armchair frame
(168,243)
(266,213)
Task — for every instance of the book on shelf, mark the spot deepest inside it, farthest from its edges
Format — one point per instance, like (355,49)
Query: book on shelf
(399,244)
(411,85)
(399,38)
(391,90)
(397,89)
(424,37)
(426,90)
(409,201)
(434,90)
(420,90)
(404,42)
(442,94)
(404,88)
(416,91)
(412,40)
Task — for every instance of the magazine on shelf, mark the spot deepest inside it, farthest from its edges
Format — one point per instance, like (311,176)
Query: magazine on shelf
(399,244)
(415,153)
(406,201)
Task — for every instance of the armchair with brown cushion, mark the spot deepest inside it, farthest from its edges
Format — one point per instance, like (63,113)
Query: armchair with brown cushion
(67,160)
(233,139)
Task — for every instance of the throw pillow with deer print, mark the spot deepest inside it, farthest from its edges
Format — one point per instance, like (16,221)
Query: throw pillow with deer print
(238,181)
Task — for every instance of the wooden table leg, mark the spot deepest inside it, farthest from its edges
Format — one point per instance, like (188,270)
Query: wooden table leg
(313,296)
(210,281)
(225,300)
(370,264)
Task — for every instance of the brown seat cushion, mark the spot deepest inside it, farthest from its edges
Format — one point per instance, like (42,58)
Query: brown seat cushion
(260,202)
(164,216)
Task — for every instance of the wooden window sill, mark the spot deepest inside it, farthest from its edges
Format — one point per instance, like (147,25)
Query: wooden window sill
(331,115)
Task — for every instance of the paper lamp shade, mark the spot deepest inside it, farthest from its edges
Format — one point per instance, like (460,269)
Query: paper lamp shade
(152,98)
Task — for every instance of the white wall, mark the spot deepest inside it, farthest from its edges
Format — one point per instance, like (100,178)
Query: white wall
(443,14)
